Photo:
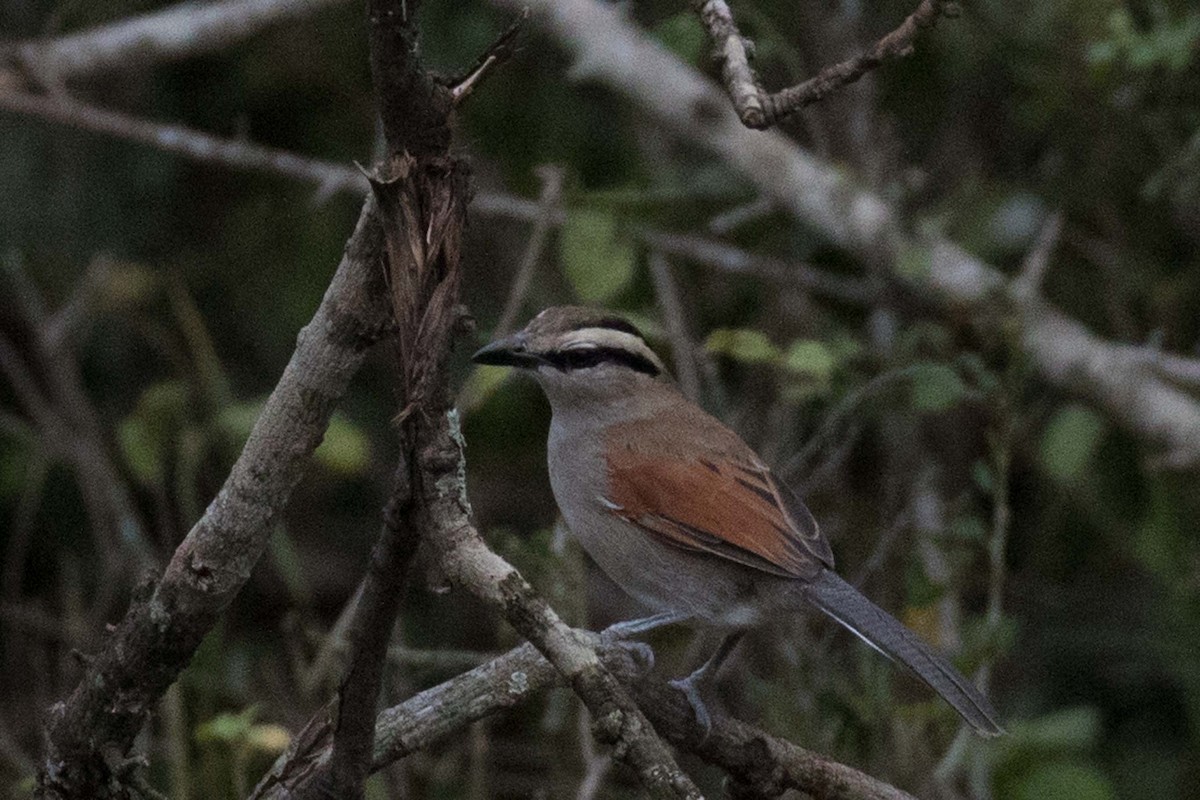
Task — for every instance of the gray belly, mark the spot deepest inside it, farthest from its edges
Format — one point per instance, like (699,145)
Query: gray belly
(663,576)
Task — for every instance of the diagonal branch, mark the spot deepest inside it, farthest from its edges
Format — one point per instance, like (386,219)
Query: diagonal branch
(181,31)
(1118,378)
(90,733)
(467,562)
(329,177)
(760,109)
(189,143)
(751,756)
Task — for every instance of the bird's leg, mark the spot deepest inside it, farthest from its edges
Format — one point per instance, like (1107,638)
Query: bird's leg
(623,630)
(618,634)
(693,684)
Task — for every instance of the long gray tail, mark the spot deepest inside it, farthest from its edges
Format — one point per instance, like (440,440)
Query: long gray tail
(885,633)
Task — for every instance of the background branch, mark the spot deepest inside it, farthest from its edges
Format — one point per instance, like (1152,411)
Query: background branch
(760,109)
(178,32)
(609,49)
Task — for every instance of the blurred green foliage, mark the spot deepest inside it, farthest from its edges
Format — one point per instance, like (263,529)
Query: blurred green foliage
(923,440)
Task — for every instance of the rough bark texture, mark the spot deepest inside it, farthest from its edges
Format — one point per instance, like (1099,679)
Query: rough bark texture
(90,733)
(755,760)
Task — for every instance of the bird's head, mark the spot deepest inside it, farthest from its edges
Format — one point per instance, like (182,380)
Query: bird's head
(578,354)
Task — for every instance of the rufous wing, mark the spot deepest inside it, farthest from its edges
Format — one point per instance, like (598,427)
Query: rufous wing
(729,507)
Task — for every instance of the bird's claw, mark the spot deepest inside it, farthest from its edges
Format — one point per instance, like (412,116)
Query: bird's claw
(640,652)
(690,686)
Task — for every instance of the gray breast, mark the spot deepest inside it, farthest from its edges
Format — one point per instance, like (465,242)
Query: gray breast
(662,576)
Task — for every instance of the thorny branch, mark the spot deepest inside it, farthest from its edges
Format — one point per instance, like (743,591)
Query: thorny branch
(760,109)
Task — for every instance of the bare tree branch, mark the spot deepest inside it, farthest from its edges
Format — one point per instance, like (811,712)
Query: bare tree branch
(758,108)
(181,31)
(187,142)
(727,258)
(666,290)
(750,755)
(609,49)
(329,177)
(90,733)
(467,562)
(69,422)
(548,204)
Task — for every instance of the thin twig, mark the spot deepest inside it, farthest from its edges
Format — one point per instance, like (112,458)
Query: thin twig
(187,142)
(725,257)
(666,290)
(496,54)
(1033,269)
(731,219)
(595,765)
(843,412)
(759,109)
(205,148)
(552,177)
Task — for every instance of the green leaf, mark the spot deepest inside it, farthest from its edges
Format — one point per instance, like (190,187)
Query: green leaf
(345,448)
(268,738)
(811,358)
(142,450)
(1071,729)
(287,561)
(597,261)
(936,387)
(237,420)
(481,384)
(742,344)
(919,588)
(227,727)
(1064,780)
(145,436)
(1070,441)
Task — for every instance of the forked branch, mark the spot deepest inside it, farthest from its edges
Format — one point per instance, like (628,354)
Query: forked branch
(758,108)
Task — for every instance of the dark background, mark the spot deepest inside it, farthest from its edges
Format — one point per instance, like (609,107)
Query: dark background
(193,280)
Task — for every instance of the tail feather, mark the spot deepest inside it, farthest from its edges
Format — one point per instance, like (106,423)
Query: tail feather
(886,634)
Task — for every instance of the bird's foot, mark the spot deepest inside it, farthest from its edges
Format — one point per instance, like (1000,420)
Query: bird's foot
(691,686)
(640,652)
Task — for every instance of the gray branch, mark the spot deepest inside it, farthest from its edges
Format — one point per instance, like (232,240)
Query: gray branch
(1118,378)
(751,756)
(758,108)
(173,34)
(468,563)
(90,733)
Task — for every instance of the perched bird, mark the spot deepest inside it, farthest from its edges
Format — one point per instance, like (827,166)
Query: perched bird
(680,512)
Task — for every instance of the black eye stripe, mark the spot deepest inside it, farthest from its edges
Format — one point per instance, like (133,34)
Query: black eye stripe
(584,358)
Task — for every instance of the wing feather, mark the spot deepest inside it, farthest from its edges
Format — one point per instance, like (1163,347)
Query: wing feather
(727,506)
